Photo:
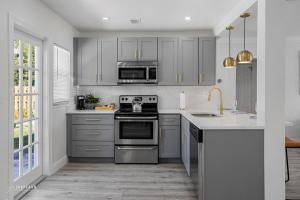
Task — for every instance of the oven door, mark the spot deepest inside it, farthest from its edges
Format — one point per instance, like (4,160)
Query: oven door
(132,74)
(136,131)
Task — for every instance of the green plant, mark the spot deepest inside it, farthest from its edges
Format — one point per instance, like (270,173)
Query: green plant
(90,99)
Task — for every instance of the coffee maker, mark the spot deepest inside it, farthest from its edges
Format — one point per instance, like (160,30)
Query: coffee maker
(80,102)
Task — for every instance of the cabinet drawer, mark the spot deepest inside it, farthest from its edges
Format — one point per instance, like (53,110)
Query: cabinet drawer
(104,133)
(92,149)
(93,119)
(169,120)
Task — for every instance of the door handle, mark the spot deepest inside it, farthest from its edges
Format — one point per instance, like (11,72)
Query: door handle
(177,78)
(180,78)
(140,54)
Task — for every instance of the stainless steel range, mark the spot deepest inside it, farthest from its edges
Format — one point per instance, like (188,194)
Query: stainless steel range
(136,130)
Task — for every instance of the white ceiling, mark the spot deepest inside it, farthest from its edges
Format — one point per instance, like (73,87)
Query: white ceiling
(86,15)
(251,25)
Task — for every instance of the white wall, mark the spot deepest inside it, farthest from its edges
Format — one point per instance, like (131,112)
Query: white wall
(292,86)
(228,76)
(56,30)
(196,96)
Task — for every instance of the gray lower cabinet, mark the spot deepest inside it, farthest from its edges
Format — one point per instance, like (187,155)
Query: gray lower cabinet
(188,61)
(231,165)
(90,135)
(185,143)
(137,49)
(95,61)
(207,61)
(169,136)
(167,59)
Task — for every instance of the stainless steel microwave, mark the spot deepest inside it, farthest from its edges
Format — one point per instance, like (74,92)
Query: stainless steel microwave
(137,72)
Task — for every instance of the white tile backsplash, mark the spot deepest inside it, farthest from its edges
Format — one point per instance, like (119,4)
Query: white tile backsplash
(196,96)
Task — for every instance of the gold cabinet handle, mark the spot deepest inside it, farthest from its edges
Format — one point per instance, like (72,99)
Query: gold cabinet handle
(180,78)
(160,130)
(200,77)
(135,54)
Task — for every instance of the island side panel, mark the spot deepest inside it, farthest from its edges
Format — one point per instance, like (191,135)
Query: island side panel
(234,164)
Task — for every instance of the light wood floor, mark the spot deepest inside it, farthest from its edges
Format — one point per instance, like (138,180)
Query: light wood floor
(134,182)
(293,186)
(116,182)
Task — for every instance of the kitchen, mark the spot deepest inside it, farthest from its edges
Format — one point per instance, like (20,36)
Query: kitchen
(114,94)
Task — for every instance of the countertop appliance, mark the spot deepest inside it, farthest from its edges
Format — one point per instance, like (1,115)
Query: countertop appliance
(137,72)
(196,160)
(136,133)
(80,102)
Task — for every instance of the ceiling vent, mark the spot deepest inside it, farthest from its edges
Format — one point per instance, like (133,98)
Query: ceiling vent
(135,21)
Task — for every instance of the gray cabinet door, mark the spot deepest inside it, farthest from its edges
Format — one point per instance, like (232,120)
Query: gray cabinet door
(169,142)
(188,61)
(167,59)
(185,144)
(207,61)
(147,48)
(246,87)
(107,57)
(88,61)
(127,49)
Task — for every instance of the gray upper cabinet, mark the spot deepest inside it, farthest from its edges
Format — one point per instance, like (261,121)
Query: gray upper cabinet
(87,61)
(147,49)
(167,59)
(207,61)
(132,49)
(108,62)
(127,49)
(96,61)
(188,61)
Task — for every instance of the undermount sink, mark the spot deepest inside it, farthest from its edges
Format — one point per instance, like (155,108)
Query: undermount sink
(204,115)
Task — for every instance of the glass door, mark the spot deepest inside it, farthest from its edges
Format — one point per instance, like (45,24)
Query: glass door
(27,124)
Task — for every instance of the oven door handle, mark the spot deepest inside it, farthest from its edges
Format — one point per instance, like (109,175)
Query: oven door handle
(136,118)
(136,148)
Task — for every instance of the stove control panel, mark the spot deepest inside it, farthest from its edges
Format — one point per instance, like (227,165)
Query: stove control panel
(142,99)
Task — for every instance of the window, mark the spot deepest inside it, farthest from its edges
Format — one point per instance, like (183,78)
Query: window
(61,75)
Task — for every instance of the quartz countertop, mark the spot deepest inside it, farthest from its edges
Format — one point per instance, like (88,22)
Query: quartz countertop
(91,111)
(229,120)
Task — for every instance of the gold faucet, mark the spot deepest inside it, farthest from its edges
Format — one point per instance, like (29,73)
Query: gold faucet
(221,98)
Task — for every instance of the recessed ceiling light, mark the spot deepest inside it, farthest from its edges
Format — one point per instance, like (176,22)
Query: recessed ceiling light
(188,18)
(105,18)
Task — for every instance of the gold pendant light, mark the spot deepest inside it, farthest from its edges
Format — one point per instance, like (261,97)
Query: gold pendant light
(229,62)
(245,56)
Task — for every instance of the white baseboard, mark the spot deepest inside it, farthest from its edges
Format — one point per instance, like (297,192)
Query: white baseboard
(59,164)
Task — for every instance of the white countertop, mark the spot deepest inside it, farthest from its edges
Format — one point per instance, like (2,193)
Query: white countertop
(228,121)
(91,111)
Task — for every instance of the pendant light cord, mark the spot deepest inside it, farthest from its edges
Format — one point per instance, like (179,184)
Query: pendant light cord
(244,33)
(229,46)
